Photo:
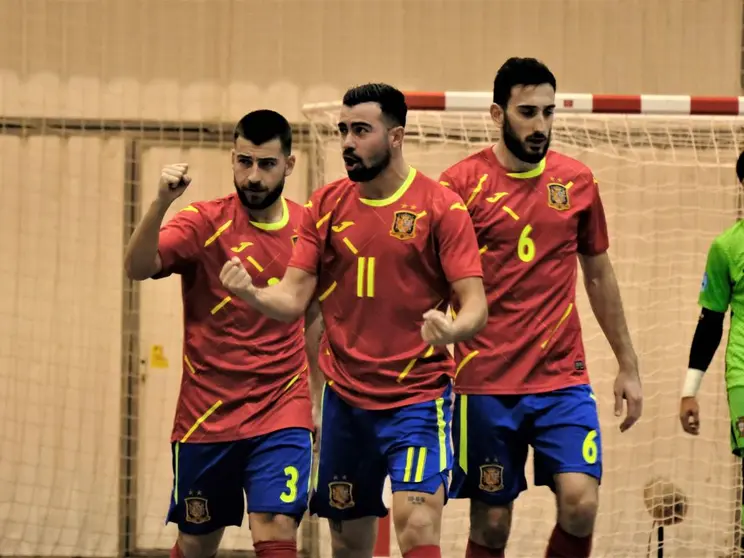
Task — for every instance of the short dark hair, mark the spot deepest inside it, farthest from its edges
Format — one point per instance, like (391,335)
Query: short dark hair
(519,71)
(391,100)
(264,125)
(740,167)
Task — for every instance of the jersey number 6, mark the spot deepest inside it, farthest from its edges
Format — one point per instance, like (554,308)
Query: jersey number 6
(526,246)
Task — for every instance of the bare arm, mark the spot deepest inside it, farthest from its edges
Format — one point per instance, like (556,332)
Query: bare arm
(313,332)
(285,301)
(604,297)
(473,313)
(141,259)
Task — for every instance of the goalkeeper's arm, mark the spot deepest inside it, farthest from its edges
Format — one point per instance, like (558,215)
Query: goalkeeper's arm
(704,345)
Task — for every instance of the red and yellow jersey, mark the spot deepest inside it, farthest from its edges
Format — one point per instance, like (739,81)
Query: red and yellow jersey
(243,374)
(381,264)
(530,228)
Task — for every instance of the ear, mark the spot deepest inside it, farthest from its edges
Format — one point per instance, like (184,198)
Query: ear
(232,156)
(397,135)
(289,167)
(497,114)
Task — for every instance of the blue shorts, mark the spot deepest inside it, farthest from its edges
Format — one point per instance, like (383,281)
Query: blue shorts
(209,480)
(492,434)
(359,448)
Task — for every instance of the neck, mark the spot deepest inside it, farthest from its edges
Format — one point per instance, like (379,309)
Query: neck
(509,161)
(387,182)
(271,214)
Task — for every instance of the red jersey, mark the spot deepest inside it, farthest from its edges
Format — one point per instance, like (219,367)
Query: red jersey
(243,374)
(381,264)
(530,228)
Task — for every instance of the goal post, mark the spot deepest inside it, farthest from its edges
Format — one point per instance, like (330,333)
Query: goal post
(665,166)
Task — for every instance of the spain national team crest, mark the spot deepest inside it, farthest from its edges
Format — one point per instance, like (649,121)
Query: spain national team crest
(341,496)
(740,426)
(491,477)
(558,196)
(404,225)
(197,510)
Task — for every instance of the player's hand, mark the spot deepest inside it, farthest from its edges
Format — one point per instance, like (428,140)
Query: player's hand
(437,328)
(689,415)
(236,279)
(628,387)
(173,182)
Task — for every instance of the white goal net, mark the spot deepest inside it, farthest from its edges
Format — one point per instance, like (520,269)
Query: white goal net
(669,187)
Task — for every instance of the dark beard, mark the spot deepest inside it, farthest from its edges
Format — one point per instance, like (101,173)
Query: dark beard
(268,200)
(364,173)
(517,148)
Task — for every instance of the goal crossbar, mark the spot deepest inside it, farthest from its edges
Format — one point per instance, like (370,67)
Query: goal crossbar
(580,103)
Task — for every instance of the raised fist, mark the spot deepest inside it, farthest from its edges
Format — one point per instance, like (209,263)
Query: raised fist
(173,181)
(235,278)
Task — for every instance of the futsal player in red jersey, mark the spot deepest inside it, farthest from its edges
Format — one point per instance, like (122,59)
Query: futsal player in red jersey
(243,419)
(382,249)
(523,379)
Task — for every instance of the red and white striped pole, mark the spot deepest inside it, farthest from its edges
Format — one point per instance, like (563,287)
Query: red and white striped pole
(464,101)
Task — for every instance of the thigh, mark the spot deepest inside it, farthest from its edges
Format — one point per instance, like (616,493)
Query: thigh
(416,443)
(566,436)
(490,448)
(350,475)
(207,487)
(277,472)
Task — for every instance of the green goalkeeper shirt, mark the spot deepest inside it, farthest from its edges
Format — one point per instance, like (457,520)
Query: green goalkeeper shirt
(723,286)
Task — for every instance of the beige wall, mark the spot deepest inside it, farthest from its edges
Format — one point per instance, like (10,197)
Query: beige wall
(216,59)
(205,60)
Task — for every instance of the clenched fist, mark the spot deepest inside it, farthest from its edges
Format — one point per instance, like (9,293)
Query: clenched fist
(173,182)
(236,279)
(437,328)
(689,415)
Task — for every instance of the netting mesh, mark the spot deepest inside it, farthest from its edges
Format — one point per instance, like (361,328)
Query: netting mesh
(669,188)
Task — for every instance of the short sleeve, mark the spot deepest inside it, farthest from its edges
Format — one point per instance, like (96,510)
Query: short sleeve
(448,180)
(310,238)
(180,242)
(593,238)
(715,291)
(458,246)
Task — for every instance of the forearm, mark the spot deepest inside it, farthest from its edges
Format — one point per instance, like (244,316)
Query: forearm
(313,332)
(471,318)
(141,256)
(705,342)
(275,302)
(606,303)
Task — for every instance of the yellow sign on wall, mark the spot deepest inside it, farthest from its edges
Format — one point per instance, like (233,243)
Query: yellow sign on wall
(157,357)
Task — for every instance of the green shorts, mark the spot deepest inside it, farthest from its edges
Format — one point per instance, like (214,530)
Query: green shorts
(736,410)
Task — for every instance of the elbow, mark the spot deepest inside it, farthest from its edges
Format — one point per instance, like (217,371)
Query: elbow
(136,273)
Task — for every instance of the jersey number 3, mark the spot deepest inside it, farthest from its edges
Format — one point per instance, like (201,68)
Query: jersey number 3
(291,494)
(525,245)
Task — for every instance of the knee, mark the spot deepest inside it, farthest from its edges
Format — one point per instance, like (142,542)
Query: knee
(417,518)
(199,546)
(577,510)
(272,527)
(490,526)
(354,538)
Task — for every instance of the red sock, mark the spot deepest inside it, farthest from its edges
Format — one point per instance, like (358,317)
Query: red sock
(564,545)
(475,550)
(428,551)
(276,549)
(176,552)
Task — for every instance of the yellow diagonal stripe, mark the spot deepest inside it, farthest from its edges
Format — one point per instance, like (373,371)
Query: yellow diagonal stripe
(463,362)
(254,263)
(564,317)
(220,305)
(188,364)
(477,189)
(327,292)
(200,420)
(222,229)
